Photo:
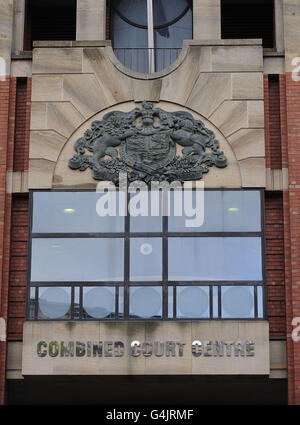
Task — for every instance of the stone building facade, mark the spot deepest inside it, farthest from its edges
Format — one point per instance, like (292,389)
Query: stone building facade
(248,95)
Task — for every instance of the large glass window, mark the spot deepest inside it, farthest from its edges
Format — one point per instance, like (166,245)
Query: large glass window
(90,267)
(147,35)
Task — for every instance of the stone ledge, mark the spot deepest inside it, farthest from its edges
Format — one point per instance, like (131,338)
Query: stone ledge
(83,43)
(227,42)
(104,43)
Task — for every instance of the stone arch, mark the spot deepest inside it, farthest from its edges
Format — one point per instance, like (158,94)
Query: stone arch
(73,85)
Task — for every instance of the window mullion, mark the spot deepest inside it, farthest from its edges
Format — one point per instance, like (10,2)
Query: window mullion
(150,35)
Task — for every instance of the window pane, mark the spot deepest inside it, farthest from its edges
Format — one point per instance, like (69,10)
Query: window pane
(260,302)
(192,302)
(130,42)
(224,211)
(171,36)
(121,302)
(99,302)
(152,220)
(163,13)
(237,302)
(215,301)
(170,302)
(76,303)
(54,303)
(77,260)
(146,302)
(215,259)
(31,307)
(133,10)
(145,259)
(63,212)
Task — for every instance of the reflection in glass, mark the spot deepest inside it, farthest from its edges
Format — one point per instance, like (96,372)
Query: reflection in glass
(31,308)
(237,302)
(54,303)
(77,260)
(217,258)
(64,212)
(260,304)
(224,211)
(170,302)
(121,302)
(146,259)
(192,301)
(76,303)
(215,302)
(128,29)
(173,35)
(99,302)
(146,302)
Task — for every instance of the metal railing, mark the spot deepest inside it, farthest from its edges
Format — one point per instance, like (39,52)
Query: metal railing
(147,60)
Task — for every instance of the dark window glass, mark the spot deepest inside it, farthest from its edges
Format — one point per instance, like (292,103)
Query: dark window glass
(49,20)
(248,19)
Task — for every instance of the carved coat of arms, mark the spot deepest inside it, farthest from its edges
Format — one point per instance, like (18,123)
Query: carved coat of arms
(149,144)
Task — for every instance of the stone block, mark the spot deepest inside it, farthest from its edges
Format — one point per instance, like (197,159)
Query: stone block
(247,143)
(46,145)
(85,93)
(47,88)
(247,86)
(63,118)
(230,117)
(210,90)
(40,174)
(57,61)
(237,58)
(253,172)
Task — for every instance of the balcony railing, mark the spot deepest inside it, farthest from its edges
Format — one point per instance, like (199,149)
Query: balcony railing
(147,60)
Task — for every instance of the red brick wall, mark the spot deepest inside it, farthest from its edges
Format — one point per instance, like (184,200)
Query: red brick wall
(14,125)
(18,267)
(21,145)
(107,21)
(272,122)
(275,264)
(292,233)
(7,121)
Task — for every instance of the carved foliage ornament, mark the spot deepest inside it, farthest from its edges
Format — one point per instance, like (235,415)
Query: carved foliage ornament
(143,143)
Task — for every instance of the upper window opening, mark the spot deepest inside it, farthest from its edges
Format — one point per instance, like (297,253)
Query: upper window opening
(49,20)
(147,35)
(248,19)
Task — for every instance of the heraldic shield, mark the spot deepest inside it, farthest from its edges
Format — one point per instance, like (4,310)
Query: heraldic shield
(143,143)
